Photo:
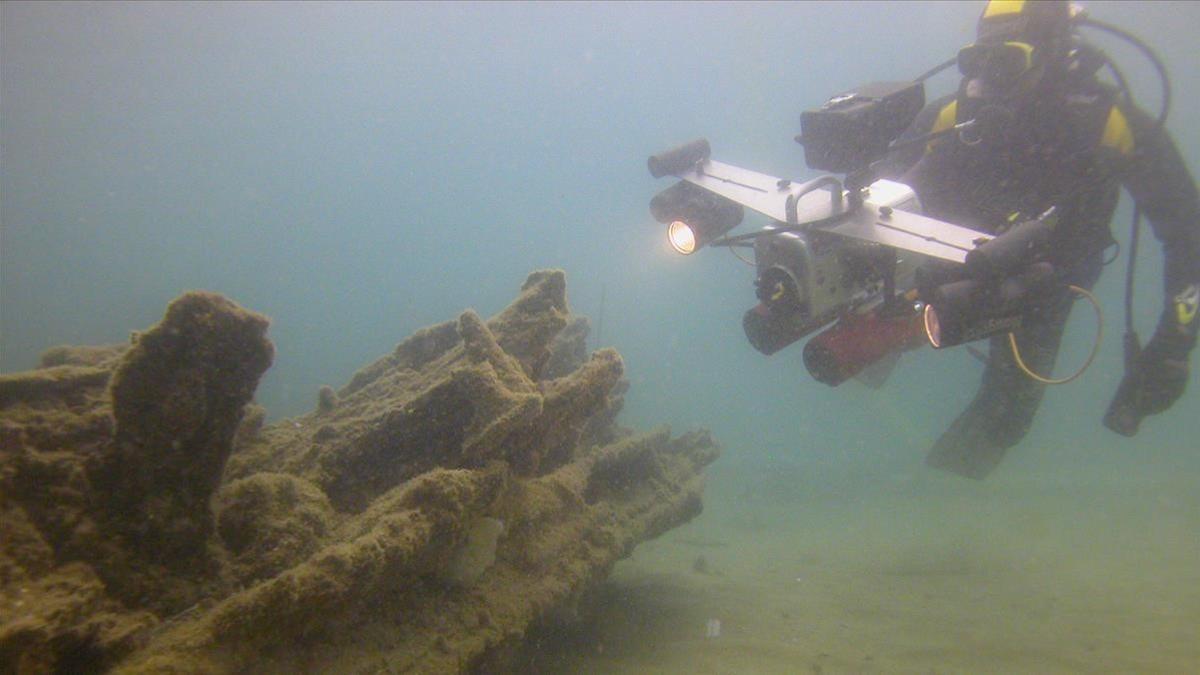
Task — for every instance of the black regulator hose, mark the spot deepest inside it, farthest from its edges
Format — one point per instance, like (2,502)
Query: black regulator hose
(936,69)
(1132,343)
(1146,51)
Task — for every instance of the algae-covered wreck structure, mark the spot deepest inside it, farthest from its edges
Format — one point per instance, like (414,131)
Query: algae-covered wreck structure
(455,497)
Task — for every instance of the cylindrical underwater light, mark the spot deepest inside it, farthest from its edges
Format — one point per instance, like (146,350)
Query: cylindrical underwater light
(1012,251)
(677,161)
(969,310)
(694,216)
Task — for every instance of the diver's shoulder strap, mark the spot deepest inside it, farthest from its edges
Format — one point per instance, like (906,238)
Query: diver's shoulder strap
(947,117)
(1117,135)
(1107,121)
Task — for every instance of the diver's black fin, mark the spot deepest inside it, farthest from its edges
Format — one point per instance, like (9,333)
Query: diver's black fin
(968,448)
(876,374)
(977,353)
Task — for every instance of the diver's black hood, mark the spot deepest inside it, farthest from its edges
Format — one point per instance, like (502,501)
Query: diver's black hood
(1043,24)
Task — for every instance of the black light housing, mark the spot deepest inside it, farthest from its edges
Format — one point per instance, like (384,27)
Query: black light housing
(971,309)
(680,160)
(694,216)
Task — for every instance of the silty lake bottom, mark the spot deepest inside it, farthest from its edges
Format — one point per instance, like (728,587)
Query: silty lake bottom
(912,572)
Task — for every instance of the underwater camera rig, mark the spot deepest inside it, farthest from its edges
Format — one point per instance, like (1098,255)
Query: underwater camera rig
(853,252)
(857,254)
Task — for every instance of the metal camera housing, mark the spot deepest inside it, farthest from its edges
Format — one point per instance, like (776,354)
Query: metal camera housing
(807,279)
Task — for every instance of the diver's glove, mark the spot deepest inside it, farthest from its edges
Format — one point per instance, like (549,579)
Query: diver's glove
(1155,376)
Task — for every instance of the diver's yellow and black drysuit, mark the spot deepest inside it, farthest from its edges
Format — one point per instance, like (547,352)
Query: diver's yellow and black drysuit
(1069,144)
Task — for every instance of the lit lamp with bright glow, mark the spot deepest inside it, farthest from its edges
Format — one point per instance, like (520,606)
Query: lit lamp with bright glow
(694,216)
(681,237)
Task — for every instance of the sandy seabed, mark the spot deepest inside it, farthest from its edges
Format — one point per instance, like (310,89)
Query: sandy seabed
(911,573)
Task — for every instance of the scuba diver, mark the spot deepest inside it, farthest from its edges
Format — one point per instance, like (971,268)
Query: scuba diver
(1050,135)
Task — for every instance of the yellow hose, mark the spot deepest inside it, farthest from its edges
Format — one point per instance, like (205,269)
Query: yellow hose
(1012,341)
